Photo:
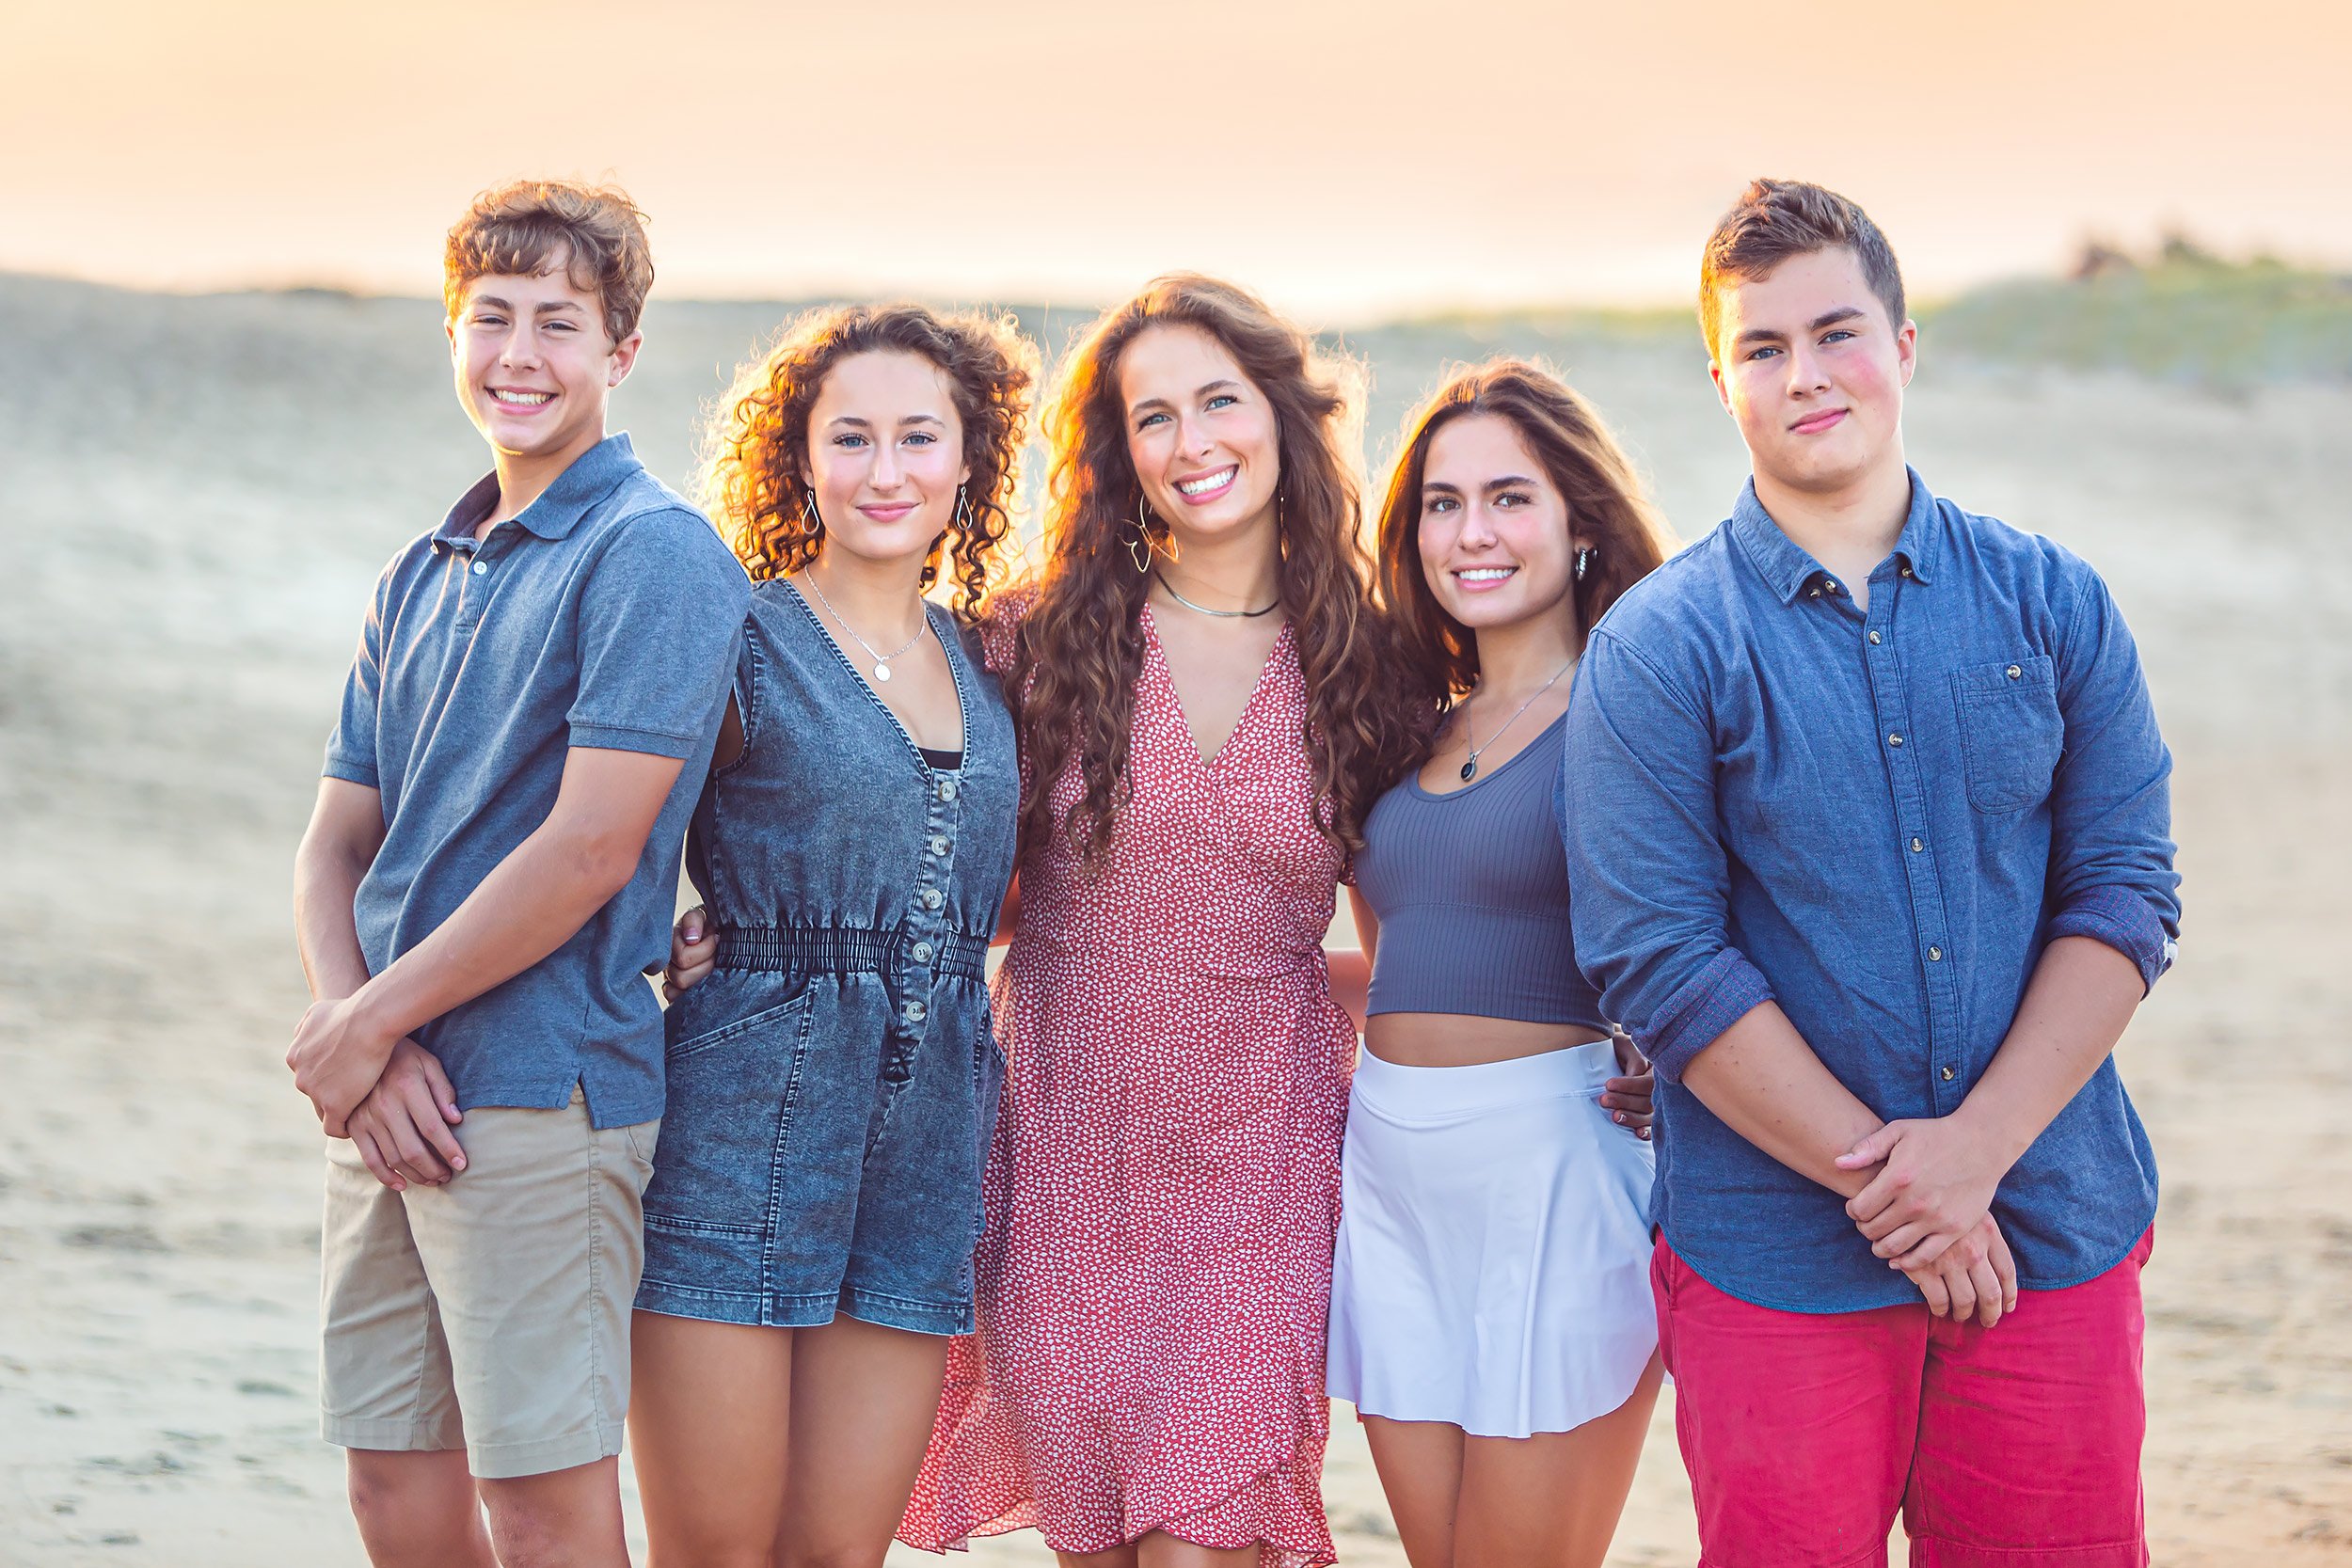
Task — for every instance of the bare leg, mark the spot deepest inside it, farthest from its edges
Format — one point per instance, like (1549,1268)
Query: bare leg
(863,1398)
(1552,1501)
(1118,1557)
(708,1423)
(562,1519)
(1421,1470)
(1159,1549)
(417,1510)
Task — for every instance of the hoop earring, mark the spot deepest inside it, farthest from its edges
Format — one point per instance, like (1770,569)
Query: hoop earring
(1584,561)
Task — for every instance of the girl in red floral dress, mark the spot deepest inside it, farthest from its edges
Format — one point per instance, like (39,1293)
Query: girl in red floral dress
(1200,679)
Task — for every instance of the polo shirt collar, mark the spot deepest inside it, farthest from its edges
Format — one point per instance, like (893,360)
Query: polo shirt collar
(592,476)
(1787,567)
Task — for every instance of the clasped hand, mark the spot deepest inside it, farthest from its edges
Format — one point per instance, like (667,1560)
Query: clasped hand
(1928,1212)
(391,1098)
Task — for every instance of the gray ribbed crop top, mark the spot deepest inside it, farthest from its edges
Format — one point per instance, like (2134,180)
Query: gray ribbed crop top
(1471,893)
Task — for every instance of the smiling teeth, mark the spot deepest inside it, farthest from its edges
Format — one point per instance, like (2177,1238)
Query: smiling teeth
(529,399)
(1195,486)
(1486,574)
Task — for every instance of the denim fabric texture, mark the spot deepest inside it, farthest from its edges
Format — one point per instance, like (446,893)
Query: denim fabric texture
(834,1082)
(605,616)
(1878,819)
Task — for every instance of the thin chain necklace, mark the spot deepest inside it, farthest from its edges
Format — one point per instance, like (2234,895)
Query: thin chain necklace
(1469,768)
(882,660)
(1220,614)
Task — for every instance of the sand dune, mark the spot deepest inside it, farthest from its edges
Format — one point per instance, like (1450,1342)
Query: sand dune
(195,495)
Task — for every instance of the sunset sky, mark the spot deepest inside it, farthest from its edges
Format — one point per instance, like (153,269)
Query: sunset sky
(1344,158)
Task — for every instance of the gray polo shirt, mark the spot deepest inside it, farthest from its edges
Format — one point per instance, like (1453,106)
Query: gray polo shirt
(606,616)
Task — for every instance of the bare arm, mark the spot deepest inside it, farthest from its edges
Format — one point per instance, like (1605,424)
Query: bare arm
(346,830)
(531,903)
(1766,1084)
(1938,1175)
(1351,967)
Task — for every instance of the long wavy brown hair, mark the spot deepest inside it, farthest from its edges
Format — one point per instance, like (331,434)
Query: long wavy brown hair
(1080,648)
(756,450)
(1607,506)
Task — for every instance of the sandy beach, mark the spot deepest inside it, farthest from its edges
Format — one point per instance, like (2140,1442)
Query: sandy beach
(200,491)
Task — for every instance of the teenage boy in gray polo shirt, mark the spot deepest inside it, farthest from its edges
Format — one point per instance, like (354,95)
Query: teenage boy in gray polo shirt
(492,861)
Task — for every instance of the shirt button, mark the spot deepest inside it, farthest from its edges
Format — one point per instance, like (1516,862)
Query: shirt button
(2014,671)
(921,952)
(932,899)
(480,568)
(1906,571)
(1874,638)
(1949,1075)
(1894,740)
(939,843)
(1936,955)
(914,1011)
(1831,583)
(1917,845)
(946,789)
(1812,592)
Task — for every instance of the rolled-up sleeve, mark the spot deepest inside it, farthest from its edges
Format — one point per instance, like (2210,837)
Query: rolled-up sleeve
(2111,876)
(1647,880)
(660,618)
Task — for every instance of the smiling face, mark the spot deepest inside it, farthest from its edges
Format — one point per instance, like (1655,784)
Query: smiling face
(534,368)
(1496,543)
(1813,371)
(885,454)
(1205,441)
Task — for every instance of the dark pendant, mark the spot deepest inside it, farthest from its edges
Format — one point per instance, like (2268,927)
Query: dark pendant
(1470,769)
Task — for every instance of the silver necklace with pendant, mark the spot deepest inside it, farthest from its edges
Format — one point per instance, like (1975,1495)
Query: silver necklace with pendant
(1469,768)
(882,660)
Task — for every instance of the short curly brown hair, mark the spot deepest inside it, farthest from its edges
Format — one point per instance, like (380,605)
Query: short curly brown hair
(757,443)
(527,226)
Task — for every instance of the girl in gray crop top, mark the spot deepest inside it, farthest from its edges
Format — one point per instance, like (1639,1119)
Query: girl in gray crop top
(1491,1271)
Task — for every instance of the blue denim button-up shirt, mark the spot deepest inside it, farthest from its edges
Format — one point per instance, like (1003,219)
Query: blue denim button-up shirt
(604,615)
(1877,819)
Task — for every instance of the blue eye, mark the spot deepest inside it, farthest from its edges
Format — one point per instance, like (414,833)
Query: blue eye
(920,438)
(851,439)
(1149,420)
(1222,398)
(1833,337)
(1761,353)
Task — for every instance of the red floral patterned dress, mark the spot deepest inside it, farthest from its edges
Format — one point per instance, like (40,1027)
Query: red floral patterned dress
(1155,1272)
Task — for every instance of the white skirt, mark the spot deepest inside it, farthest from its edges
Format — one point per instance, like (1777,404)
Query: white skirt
(1493,1262)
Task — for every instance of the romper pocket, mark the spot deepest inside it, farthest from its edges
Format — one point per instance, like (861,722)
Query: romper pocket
(2011,733)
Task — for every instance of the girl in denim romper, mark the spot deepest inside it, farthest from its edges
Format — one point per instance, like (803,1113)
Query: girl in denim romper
(834,1078)
(833,1084)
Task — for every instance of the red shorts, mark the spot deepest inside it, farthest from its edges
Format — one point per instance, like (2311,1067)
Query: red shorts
(2013,1447)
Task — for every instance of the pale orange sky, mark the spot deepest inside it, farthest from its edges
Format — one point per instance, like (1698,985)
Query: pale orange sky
(1344,158)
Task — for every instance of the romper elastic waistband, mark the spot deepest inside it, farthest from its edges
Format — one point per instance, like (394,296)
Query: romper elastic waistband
(843,949)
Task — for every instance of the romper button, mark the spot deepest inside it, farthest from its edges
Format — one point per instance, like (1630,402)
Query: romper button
(1947,1075)
(939,843)
(1894,740)
(1874,638)
(932,899)
(2014,672)
(1936,955)
(921,953)
(946,789)
(914,1011)
(480,568)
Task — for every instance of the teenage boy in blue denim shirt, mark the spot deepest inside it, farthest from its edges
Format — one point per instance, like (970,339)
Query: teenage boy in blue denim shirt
(1867,819)
(493,858)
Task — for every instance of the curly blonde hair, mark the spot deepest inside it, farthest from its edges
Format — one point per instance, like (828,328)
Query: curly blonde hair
(758,444)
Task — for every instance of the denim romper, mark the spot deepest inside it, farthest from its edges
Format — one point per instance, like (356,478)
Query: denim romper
(834,1082)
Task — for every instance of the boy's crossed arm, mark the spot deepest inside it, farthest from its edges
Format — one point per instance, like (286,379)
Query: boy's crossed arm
(531,903)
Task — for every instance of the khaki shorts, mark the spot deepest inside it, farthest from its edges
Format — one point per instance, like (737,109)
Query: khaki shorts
(490,1314)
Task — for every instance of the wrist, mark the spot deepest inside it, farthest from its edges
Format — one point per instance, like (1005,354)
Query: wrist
(1982,1123)
(371,1017)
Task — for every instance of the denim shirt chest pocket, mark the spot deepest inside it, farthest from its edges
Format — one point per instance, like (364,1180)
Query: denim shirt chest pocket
(2011,733)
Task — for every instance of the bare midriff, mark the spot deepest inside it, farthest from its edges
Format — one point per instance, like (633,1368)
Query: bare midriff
(1461,1039)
